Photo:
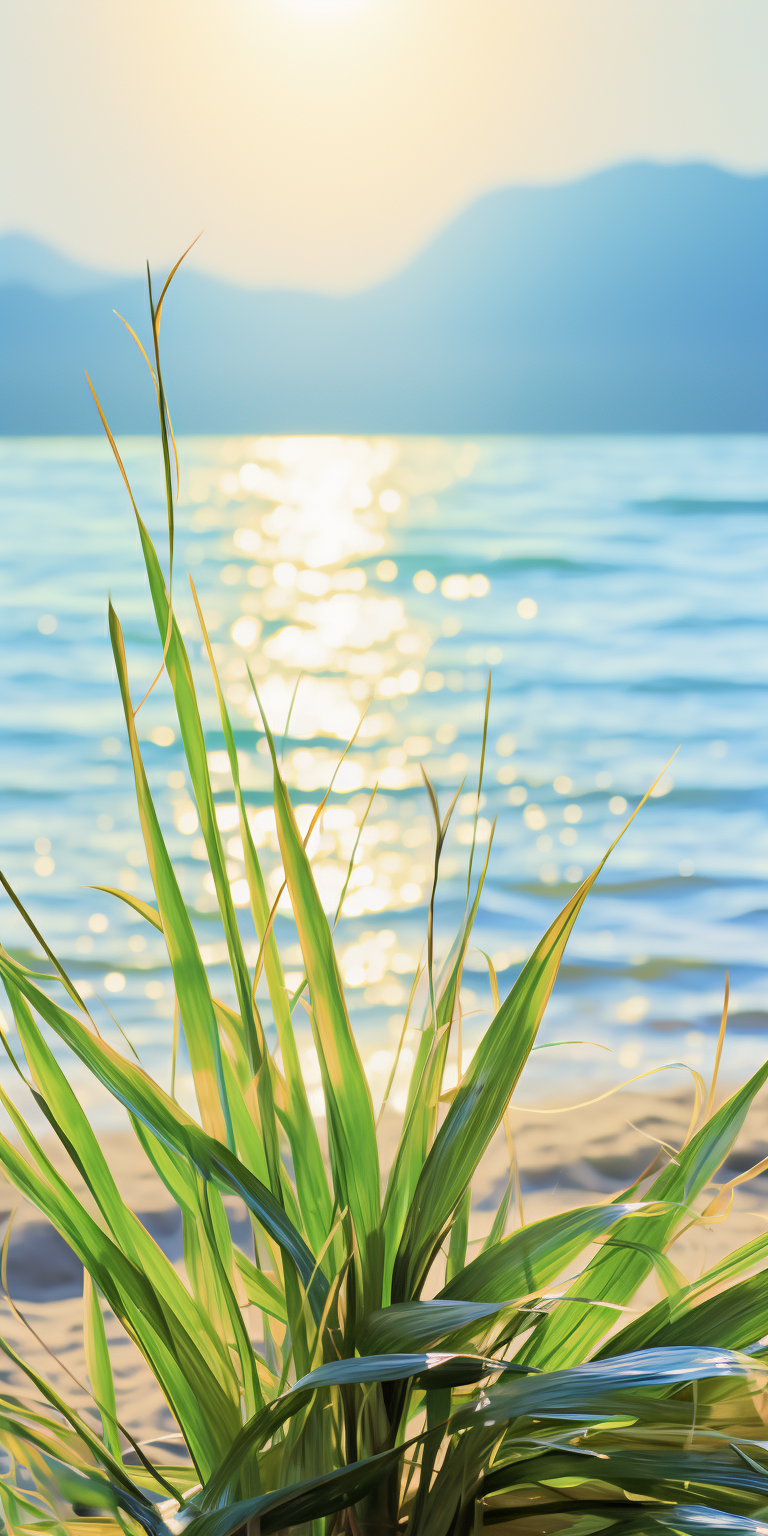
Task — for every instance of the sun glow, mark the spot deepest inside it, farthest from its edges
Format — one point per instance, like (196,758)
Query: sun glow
(324,10)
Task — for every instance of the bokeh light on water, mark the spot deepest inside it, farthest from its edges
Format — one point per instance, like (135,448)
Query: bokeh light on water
(616,591)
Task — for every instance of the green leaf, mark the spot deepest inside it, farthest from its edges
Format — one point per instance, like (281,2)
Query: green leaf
(735,1318)
(180,675)
(457,1246)
(572,1331)
(206,1415)
(600,1383)
(144,908)
(308,1500)
(101,1454)
(480,1102)
(98,1364)
(61,1107)
(424,1092)
(713,1476)
(295,1114)
(420,1325)
(446,1369)
(189,975)
(351,1129)
(169,1123)
(261,1291)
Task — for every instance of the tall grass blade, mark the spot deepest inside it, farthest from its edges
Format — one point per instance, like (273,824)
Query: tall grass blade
(351,1129)
(312,1184)
(189,976)
(482,1097)
(173,1127)
(98,1365)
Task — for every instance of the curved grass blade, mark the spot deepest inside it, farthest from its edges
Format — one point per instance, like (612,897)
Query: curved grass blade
(351,1128)
(735,1318)
(569,1333)
(447,1369)
(536,1254)
(61,1107)
(189,1385)
(424,1093)
(656,1472)
(189,974)
(309,1500)
(180,676)
(311,1180)
(68,985)
(410,1326)
(144,908)
(176,1130)
(598,1383)
(482,1097)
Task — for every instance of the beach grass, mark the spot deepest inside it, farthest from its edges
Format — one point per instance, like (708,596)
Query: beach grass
(356,1370)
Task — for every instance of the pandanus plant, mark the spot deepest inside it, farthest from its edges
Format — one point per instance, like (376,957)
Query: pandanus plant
(354,1371)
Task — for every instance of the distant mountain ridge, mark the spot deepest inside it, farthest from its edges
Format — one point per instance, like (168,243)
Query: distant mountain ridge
(634,300)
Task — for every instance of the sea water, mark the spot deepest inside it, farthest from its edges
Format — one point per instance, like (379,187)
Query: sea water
(613,588)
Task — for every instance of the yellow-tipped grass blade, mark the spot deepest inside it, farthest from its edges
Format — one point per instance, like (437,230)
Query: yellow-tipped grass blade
(483,1094)
(351,1127)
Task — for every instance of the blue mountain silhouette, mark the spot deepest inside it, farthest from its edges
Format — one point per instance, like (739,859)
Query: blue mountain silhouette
(634,300)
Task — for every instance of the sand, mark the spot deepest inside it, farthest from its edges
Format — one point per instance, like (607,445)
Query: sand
(567,1159)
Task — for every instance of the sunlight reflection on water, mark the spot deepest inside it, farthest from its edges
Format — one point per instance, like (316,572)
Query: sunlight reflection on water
(616,590)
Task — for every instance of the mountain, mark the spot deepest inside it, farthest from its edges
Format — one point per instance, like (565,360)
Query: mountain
(633,300)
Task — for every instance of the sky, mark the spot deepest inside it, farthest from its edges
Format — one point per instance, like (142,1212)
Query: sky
(321,143)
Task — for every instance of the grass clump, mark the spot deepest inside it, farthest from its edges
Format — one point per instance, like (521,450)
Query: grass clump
(316,1380)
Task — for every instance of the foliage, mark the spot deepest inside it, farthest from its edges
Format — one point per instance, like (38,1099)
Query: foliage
(328,1379)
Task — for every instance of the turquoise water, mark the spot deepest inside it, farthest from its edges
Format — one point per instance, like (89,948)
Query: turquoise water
(615,587)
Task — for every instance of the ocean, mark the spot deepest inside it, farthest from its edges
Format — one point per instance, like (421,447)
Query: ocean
(613,588)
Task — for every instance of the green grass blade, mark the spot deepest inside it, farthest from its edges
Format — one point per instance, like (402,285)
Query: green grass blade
(483,1095)
(479,1105)
(735,1319)
(219,1246)
(101,1453)
(180,675)
(593,1386)
(169,1123)
(295,1115)
(431,1367)
(312,1499)
(457,1246)
(61,1106)
(190,1387)
(144,908)
(653,1324)
(98,1364)
(424,1092)
(189,975)
(351,1128)
(410,1326)
(658,1472)
(614,1275)
(261,1290)
(532,1257)
(68,985)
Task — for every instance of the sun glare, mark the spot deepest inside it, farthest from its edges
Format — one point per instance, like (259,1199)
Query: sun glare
(324,10)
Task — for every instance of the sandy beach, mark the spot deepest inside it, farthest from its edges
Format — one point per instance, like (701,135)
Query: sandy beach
(579,1157)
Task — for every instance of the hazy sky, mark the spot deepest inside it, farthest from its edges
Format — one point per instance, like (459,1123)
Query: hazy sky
(321,142)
